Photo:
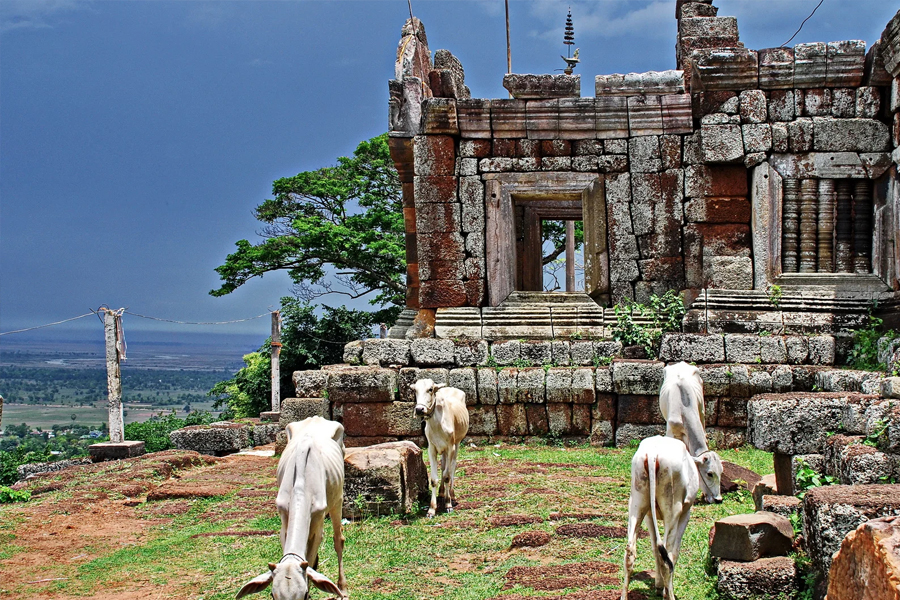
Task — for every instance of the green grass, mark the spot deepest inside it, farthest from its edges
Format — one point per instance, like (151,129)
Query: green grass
(456,556)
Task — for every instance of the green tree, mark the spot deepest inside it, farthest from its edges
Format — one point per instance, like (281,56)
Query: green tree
(345,221)
(308,342)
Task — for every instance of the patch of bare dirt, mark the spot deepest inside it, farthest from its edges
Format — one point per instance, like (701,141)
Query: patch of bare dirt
(581,595)
(581,516)
(532,539)
(559,577)
(178,490)
(590,530)
(467,505)
(513,520)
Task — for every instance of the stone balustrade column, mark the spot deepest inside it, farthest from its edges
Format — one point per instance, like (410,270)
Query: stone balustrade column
(790,225)
(862,226)
(843,250)
(826,225)
(808,212)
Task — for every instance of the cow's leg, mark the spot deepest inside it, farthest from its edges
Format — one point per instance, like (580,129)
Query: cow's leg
(316,534)
(673,543)
(636,514)
(659,579)
(434,478)
(336,515)
(449,476)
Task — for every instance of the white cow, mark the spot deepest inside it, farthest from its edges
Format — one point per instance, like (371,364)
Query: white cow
(682,406)
(664,478)
(310,485)
(446,424)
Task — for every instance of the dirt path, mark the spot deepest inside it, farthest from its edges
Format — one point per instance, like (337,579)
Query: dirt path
(86,512)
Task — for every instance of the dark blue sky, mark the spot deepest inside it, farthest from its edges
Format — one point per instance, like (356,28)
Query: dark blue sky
(136,137)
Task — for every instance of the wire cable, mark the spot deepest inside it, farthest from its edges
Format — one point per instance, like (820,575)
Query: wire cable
(49,324)
(803,23)
(196,322)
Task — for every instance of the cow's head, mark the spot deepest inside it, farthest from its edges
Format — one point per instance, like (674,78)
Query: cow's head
(425,390)
(290,580)
(709,465)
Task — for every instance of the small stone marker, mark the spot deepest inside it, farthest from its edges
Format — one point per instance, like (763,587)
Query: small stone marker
(383,478)
(765,578)
(751,536)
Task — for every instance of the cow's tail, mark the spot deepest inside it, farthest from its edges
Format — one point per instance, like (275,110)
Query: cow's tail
(651,476)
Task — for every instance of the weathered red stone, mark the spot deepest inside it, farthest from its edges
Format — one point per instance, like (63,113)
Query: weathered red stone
(474,292)
(536,414)
(442,293)
(732,412)
(639,409)
(605,409)
(867,567)
(511,419)
(380,419)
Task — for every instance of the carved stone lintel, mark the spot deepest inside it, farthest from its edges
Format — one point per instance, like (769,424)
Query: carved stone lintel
(826,225)
(862,226)
(808,212)
(791,225)
(843,252)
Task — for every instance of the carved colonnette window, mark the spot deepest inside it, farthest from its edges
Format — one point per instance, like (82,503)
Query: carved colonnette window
(826,226)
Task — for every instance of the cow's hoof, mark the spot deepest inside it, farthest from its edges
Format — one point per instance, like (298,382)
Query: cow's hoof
(430,514)
(449,510)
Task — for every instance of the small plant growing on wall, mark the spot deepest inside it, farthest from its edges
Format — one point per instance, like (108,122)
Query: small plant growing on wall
(664,312)
(775,293)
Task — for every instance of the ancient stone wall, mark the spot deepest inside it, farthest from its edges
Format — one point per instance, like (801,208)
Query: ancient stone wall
(739,170)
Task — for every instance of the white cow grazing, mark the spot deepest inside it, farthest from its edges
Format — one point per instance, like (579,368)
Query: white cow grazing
(682,406)
(664,477)
(446,424)
(310,485)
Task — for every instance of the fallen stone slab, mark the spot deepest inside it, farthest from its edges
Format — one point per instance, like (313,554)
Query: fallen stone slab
(797,422)
(751,536)
(833,511)
(736,473)
(384,479)
(763,579)
(766,486)
(853,463)
(215,439)
(781,505)
(868,563)
(116,450)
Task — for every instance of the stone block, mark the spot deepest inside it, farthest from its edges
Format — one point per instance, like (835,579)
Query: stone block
(676,114)
(767,485)
(691,347)
(362,384)
(781,505)
(718,210)
(487,386)
(530,385)
(757,137)
(560,353)
(853,463)
(730,69)
(474,119)
(602,433)
(626,433)
(831,512)
(876,74)
(542,86)
(772,350)
(429,352)
(352,355)
(810,65)
(797,348)
(843,103)
(612,117)
(482,420)
(474,148)
(846,63)
(536,353)
(821,349)
(603,377)
(385,352)
(582,352)
(749,537)
(121,450)
(644,115)
(375,419)
(637,376)
(816,102)
(297,409)
(640,409)
(577,118)
(853,135)
(742,348)
(215,439)
(781,106)
(776,68)
(439,116)
(721,143)
(411,375)
(506,352)
(753,106)
(760,382)
(383,479)
(762,579)
(312,384)
(542,119)
(644,154)
(868,562)
(508,118)
(511,420)
(442,293)
(466,380)
(796,423)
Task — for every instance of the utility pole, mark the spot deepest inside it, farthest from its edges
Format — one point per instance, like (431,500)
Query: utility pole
(276,357)
(114,376)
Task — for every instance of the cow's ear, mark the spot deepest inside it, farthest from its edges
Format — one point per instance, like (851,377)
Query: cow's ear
(257,584)
(323,583)
(438,386)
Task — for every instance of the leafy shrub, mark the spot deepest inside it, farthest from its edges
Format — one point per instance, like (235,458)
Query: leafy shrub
(808,478)
(10,461)
(864,354)
(154,432)
(8,495)
(665,313)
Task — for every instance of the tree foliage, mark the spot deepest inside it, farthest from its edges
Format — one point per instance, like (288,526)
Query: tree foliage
(308,342)
(343,221)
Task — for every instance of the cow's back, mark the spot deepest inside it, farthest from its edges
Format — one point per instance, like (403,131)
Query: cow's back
(455,415)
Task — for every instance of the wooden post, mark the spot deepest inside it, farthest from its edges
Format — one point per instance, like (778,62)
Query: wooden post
(276,356)
(113,379)
(508,47)
(570,256)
